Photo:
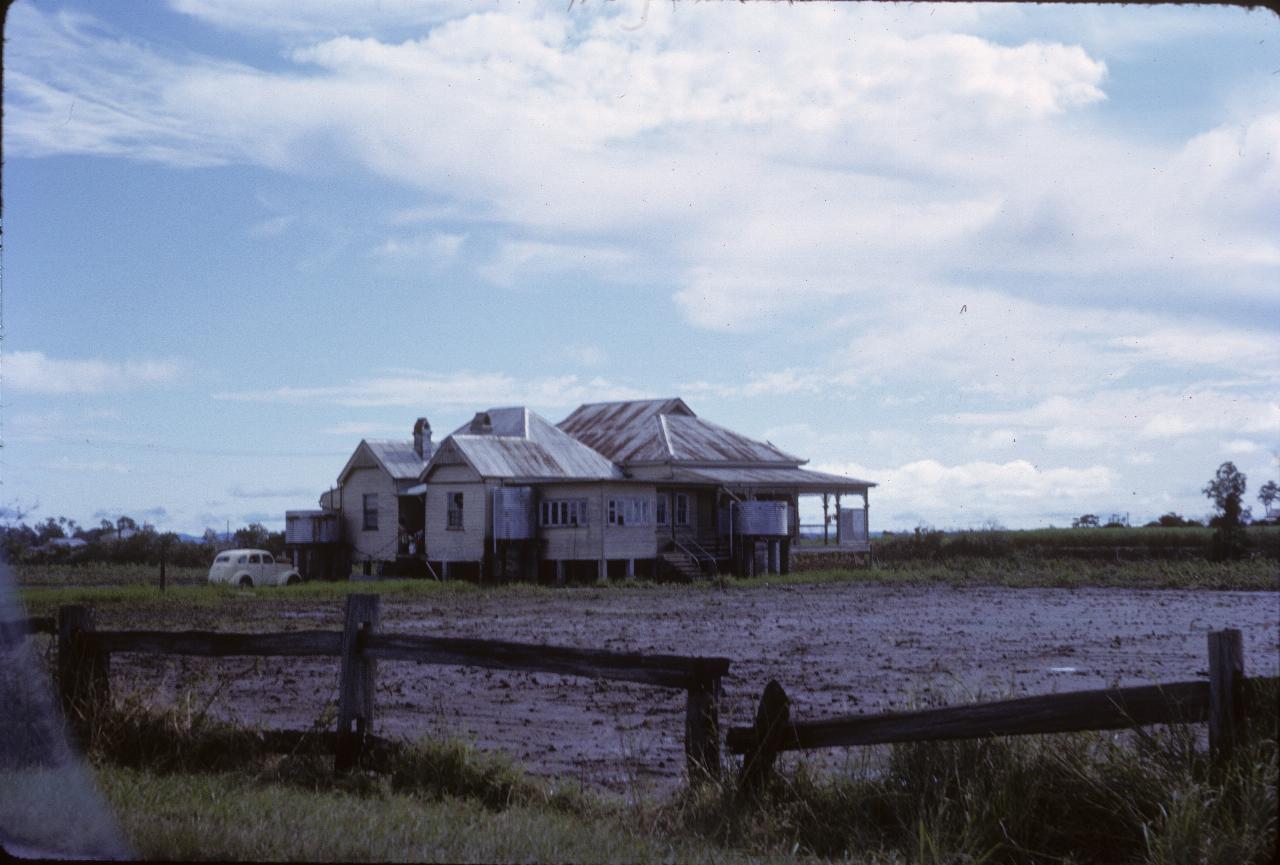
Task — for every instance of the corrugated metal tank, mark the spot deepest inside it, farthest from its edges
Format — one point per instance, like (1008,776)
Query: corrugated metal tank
(310,527)
(764,519)
(512,513)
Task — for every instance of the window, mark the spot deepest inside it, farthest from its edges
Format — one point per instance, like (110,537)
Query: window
(370,512)
(660,509)
(682,509)
(632,511)
(254,560)
(242,560)
(564,512)
(222,559)
(455,511)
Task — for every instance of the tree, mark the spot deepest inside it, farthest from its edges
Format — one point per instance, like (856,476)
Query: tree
(1086,521)
(1268,494)
(1227,492)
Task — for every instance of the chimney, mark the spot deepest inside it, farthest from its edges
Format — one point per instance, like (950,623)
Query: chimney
(422,438)
(481,424)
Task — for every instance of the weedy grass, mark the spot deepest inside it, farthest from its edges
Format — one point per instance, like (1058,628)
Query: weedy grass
(55,574)
(1246,575)
(1149,796)
(189,788)
(186,787)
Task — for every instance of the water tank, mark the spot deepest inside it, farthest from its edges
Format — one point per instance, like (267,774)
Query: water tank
(512,513)
(763,519)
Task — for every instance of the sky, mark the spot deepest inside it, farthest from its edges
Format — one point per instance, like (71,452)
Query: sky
(1012,263)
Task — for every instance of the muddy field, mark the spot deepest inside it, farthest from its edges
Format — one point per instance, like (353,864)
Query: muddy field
(837,649)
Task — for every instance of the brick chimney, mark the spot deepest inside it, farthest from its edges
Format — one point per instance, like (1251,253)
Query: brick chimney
(422,438)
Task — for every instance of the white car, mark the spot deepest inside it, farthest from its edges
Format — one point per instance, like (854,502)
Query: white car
(249,568)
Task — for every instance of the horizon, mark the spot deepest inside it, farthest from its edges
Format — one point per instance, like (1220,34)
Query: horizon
(1012,263)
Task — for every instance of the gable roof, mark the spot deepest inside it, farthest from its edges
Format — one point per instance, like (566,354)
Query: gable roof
(514,442)
(665,430)
(396,458)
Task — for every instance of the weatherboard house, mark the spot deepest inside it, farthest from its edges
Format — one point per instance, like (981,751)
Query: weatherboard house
(634,488)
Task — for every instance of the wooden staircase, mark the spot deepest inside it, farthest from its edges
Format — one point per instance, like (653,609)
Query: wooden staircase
(679,565)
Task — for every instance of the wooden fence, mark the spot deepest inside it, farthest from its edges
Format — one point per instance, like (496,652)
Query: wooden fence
(84,655)
(1222,701)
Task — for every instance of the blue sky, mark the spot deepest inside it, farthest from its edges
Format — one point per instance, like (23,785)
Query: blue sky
(1012,263)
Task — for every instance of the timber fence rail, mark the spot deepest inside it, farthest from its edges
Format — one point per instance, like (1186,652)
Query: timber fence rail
(84,655)
(1223,702)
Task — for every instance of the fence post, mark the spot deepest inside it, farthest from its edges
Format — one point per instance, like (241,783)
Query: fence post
(702,730)
(82,672)
(772,715)
(356,683)
(1226,692)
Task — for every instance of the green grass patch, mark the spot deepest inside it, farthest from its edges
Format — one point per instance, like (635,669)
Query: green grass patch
(1147,797)
(106,574)
(1247,575)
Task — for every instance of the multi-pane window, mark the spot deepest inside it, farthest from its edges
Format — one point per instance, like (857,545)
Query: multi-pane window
(454,511)
(370,502)
(631,511)
(660,509)
(682,509)
(564,512)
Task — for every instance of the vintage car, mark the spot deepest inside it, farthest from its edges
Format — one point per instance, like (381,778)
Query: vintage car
(249,568)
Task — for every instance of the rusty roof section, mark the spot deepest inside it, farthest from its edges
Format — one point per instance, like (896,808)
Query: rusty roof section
(781,477)
(398,459)
(514,442)
(664,430)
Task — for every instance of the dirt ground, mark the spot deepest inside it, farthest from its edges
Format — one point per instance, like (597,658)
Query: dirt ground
(837,649)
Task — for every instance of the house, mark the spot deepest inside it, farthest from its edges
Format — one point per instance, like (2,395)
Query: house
(509,492)
(634,488)
(642,487)
(369,520)
(721,498)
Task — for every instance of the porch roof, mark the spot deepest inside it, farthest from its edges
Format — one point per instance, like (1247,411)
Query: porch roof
(779,477)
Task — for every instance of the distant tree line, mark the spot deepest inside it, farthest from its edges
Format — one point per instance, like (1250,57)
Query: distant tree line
(124,541)
(1227,492)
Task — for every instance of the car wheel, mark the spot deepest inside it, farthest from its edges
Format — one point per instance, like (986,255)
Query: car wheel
(293,580)
(246,582)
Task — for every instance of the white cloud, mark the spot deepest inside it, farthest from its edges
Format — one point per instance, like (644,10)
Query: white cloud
(1241,447)
(518,262)
(66,464)
(438,246)
(273,227)
(37,373)
(929,486)
(362,429)
(461,389)
(786,382)
(1122,417)
(240,492)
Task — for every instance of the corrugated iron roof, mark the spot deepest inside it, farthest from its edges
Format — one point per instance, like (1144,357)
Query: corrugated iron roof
(787,477)
(514,442)
(398,458)
(662,430)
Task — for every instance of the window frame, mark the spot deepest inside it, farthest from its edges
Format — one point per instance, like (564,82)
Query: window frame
(369,515)
(626,511)
(661,511)
(455,511)
(680,513)
(563,513)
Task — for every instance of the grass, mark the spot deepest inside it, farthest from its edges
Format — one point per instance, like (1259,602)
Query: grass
(106,574)
(186,787)
(1148,797)
(1249,575)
